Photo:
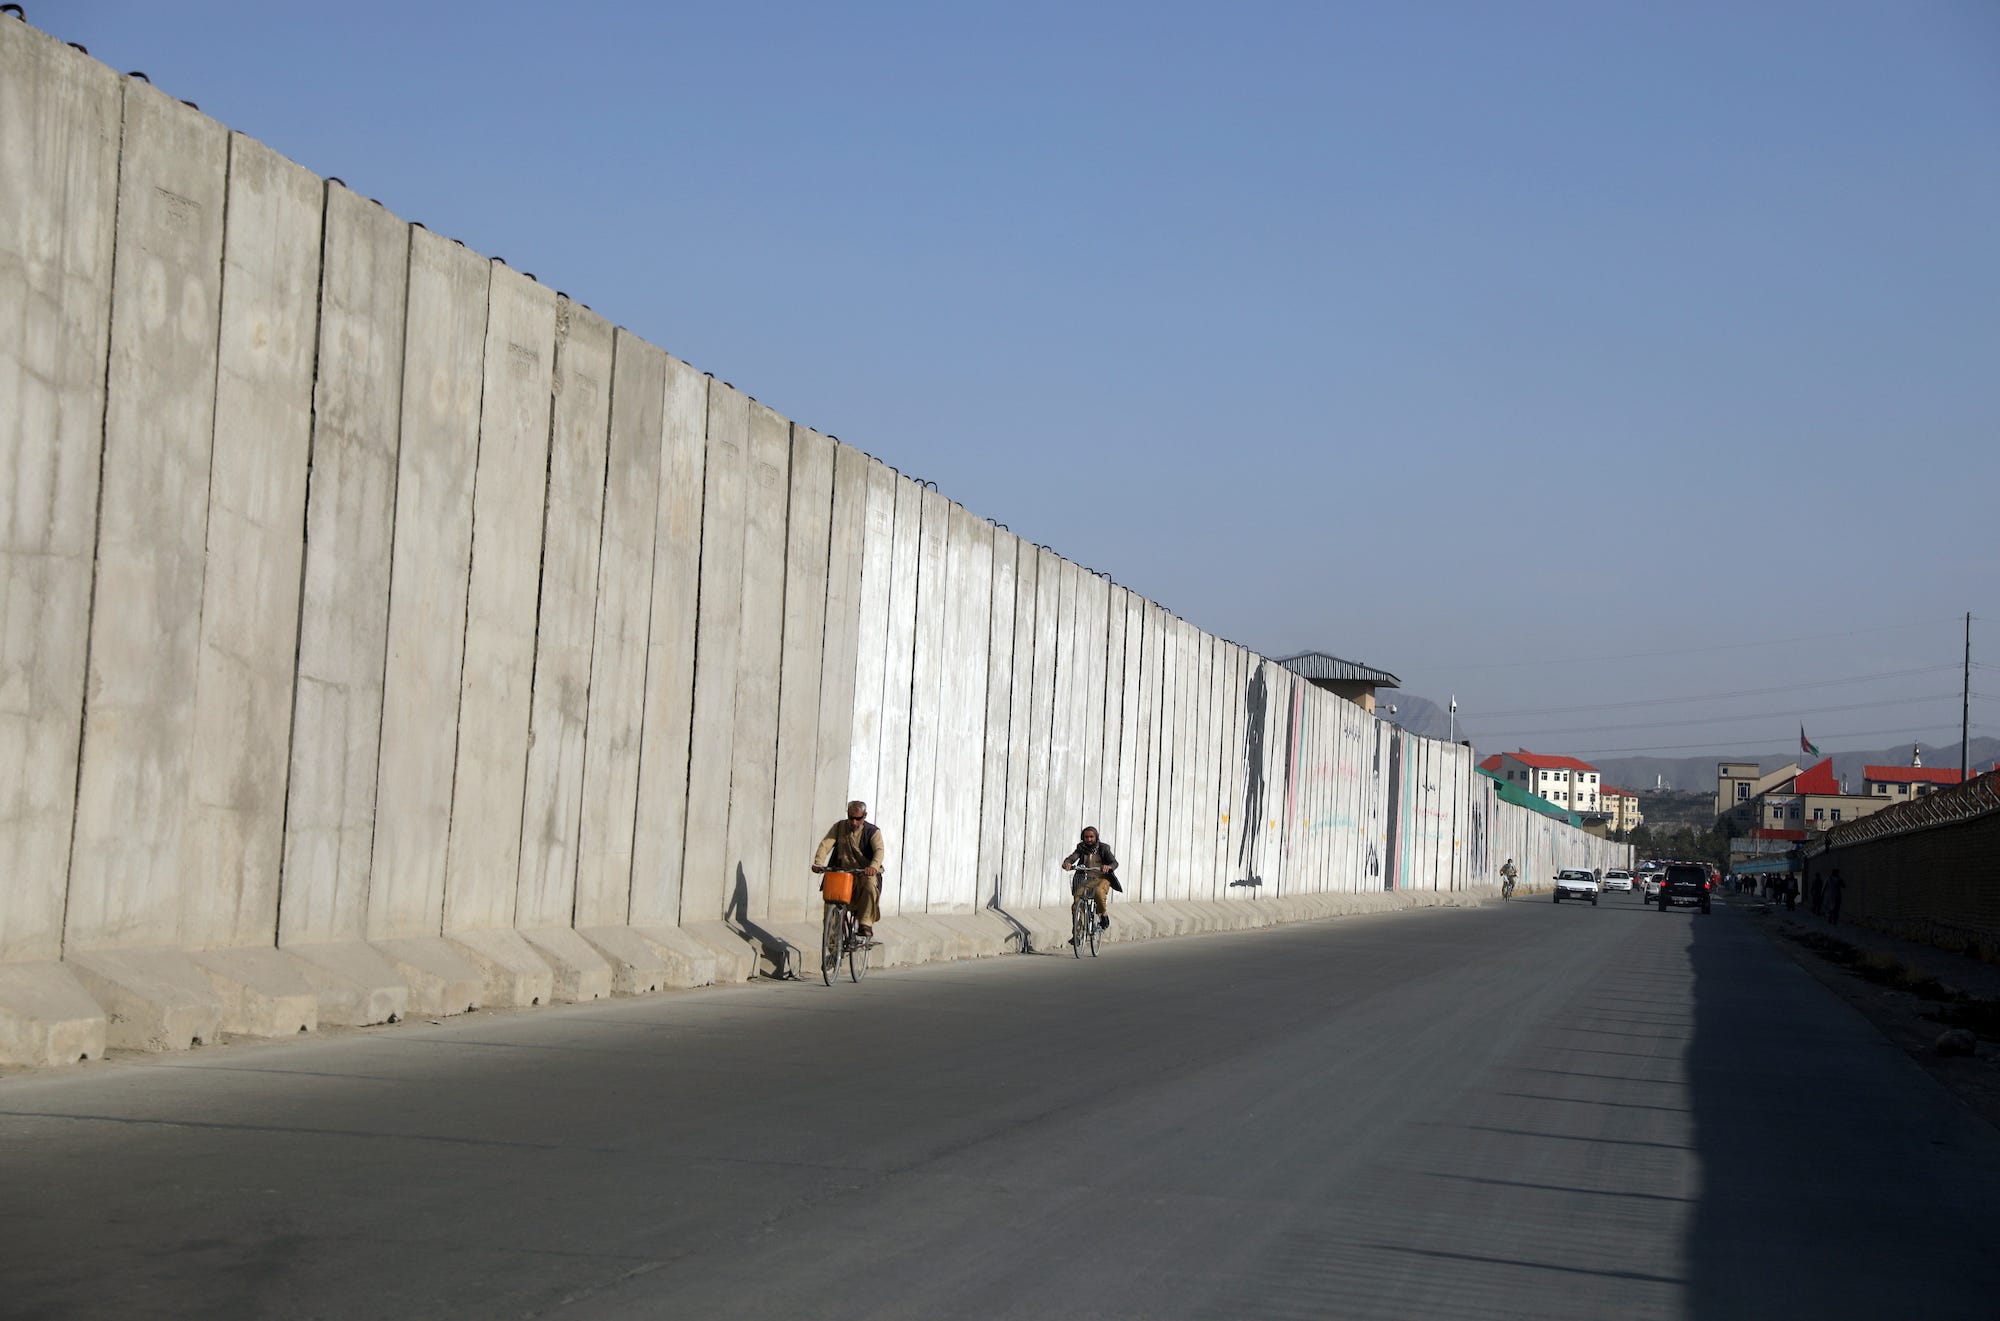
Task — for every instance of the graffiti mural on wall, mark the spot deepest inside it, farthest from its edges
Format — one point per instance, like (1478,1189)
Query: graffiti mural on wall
(1256,702)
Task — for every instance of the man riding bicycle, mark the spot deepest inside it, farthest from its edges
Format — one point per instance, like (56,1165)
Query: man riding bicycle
(854,844)
(1507,875)
(1093,853)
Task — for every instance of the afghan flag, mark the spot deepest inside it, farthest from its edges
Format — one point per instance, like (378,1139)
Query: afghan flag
(1805,745)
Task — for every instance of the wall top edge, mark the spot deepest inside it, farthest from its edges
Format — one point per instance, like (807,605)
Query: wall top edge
(82,60)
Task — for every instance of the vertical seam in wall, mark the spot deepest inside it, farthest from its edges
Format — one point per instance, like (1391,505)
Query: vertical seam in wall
(646,658)
(299,612)
(558,336)
(465,617)
(784,628)
(97,522)
(596,609)
(389,581)
(694,649)
(207,520)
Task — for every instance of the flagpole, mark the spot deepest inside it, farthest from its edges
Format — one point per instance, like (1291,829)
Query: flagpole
(1965,707)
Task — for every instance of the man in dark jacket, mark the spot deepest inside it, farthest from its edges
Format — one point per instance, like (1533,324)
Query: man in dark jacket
(854,844)
(1093,852)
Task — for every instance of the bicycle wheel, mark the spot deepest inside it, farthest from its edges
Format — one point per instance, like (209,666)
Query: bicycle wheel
(857,958)
(1076,929)
(833,934)
(1093,928)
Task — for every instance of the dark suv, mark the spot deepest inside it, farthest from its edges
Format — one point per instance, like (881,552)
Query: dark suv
(1684,885)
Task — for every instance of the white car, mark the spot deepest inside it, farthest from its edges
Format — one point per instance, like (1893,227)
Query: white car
(1617,880)
(1576,885)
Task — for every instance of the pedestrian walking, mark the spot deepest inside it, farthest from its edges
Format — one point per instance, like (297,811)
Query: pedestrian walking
(1834,886)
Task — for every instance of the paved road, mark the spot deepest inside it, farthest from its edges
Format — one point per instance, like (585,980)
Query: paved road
(1520,1110)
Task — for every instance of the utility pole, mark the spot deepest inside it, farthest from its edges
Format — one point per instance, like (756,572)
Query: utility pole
(1965,707)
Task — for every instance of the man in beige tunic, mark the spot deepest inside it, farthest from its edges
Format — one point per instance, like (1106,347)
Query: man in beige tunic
(855,845)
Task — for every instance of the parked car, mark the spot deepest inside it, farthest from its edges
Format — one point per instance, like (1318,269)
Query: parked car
(1617,880)
(1685,885)
(1575,884)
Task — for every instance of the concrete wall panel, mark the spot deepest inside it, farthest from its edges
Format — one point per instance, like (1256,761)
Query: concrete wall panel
(1016,869)
(900,633)
(509,498)
(439,371)
(990,864)
(617,713)
(60,117)
(871,649)
(1106,817)
(234,845)
(1093,637)
(705,877)
(1042,884)
(1145,846)
(922,791)
(1063,812)
(955,834)
(1122,783)
(753,774)
(679,533)
(796,826)
(125,882)
(846,623)
(566,628)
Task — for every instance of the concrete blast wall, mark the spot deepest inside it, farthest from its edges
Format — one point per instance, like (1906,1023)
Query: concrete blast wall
(385,633)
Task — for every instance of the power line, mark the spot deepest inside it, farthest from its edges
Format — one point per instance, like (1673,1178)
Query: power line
(1852,733)
(1725,719)
(1684,651)
(1711,697)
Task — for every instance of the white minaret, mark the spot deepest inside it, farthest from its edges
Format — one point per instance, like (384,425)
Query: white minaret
(1916,754)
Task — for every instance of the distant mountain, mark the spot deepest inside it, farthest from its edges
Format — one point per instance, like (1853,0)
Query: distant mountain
(1697,774)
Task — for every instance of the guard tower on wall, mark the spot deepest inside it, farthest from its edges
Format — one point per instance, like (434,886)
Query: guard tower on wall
(1343,678)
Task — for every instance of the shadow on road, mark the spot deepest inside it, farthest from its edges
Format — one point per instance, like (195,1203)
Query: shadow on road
(1836,1179)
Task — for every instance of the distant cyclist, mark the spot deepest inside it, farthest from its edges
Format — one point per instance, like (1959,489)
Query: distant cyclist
(1093,852)
(1508,875)
(854,844)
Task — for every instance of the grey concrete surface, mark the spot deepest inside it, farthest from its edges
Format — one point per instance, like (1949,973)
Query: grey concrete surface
(661,812)
(509,500)
(319,521)
(618,648)
(704,860)
(125,880)
(443,358)
(233,843)
(1517,1110)
(344,612)
(566,624)
(59,127)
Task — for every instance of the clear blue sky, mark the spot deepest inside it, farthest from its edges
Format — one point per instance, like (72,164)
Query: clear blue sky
(1474,341)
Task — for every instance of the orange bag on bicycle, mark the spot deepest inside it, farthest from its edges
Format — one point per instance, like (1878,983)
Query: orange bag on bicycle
(837,887)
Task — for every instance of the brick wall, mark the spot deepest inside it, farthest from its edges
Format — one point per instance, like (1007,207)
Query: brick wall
(1940,885)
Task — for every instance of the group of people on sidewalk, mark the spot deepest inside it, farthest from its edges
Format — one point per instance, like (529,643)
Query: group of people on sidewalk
(854,844)
(1822,893)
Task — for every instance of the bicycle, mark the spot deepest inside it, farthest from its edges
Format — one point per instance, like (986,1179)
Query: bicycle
(1084,926)
(1506,887)
(840,931)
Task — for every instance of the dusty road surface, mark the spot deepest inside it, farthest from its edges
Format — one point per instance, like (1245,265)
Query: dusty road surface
(1519,1110)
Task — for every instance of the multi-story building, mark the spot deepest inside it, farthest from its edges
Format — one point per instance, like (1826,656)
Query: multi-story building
(1564,781)
(1899,784)
(1737,782)
(1786,806)
(1623,807)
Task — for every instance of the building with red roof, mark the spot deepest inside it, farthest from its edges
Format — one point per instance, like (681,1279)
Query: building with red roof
(1564,781)
(1777,810)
